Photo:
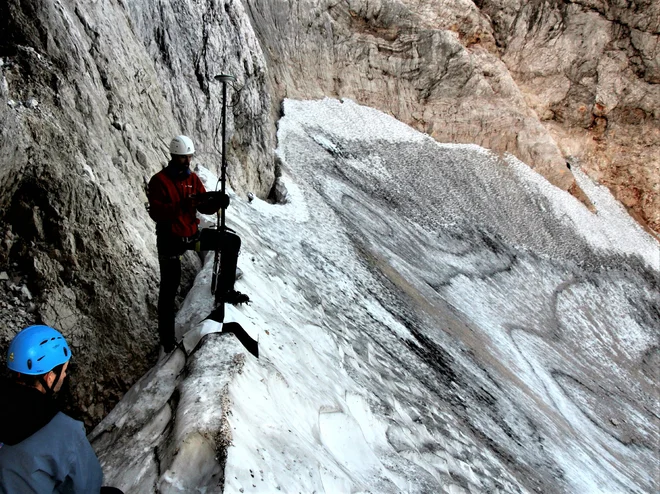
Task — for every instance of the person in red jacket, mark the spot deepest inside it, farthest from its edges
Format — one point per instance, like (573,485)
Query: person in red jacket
(175,195)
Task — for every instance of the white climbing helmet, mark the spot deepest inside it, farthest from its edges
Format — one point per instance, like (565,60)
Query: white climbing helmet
(182,145)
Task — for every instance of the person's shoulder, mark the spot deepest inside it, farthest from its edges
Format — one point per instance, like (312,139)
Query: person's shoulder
(61,434)
(159,175)
(63,422)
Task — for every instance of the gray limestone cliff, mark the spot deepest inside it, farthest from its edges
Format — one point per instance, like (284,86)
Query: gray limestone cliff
(433,65)
(91,92)
(552,82)
(590,70)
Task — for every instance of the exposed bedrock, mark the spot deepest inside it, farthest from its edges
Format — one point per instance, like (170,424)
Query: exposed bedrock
(90,95)
(552,82)
(91,92)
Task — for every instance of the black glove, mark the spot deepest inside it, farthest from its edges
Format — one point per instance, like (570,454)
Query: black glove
(223,200)
(191,202)
(216,199)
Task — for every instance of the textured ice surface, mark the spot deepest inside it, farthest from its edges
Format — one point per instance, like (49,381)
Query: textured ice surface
(430,319)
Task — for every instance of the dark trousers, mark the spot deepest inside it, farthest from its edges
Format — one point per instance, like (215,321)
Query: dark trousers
(170,250)
(170,278)
(228,244)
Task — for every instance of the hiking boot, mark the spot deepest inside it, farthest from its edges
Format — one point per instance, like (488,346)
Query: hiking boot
(235,298)
(164,352)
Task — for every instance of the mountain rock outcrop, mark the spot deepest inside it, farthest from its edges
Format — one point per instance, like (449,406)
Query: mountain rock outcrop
(551,82)
(433,65)
(91,92)
(590,70)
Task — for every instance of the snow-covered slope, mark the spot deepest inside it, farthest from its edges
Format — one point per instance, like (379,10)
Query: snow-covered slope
(430,319)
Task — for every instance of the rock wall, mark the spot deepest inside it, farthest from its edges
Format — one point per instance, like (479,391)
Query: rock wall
(91,92)
(552,82)
(590,69)
(90,95)
(432,64)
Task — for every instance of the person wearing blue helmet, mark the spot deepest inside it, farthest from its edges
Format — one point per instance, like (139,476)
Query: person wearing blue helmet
(42,450)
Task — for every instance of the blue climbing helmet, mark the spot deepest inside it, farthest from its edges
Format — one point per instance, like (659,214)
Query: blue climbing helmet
(37,350)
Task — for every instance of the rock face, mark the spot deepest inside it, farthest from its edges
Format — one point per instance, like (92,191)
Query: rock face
(550,82)
(90,95)
(434,65)
(591,72)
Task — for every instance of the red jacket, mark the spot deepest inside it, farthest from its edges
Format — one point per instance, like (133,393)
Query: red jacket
(167,206)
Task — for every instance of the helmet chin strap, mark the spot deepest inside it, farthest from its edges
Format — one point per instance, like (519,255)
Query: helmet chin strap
(50,390)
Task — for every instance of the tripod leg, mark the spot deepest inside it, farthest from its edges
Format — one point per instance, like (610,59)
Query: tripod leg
(216,288)
(215,278)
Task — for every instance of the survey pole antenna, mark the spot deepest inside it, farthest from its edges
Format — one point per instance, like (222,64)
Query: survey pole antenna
(224,79)
(215,278)
(218,313)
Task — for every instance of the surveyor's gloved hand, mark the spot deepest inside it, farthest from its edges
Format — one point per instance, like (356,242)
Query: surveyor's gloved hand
(223,200)
(216,200)
(190,202)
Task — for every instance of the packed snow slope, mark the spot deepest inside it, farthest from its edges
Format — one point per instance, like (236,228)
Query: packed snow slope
(431,318)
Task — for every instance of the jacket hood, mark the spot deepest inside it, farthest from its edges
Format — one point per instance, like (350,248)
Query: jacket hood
(23,411)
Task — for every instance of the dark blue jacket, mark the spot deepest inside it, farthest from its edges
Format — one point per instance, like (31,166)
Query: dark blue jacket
(43,450)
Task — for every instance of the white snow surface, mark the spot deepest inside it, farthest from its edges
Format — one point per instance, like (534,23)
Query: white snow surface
(430,319)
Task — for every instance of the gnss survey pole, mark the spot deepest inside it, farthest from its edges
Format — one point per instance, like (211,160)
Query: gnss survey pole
(224,78)
(218,313)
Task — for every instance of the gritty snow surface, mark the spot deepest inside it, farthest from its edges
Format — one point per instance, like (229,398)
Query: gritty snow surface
(430,319)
